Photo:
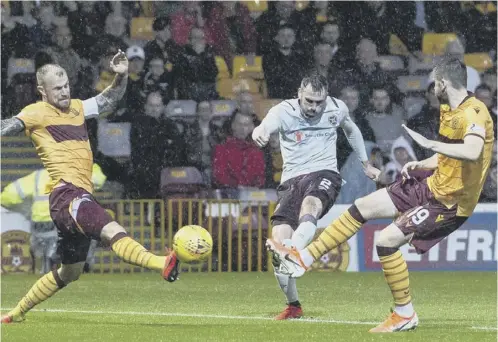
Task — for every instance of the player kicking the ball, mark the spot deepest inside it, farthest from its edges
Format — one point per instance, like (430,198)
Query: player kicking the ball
(57,128)
(310,181)
(426,211)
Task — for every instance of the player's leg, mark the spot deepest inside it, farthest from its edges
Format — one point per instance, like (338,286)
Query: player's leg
(95,222)
(283,233)
(424,227)
(396,275)
(375,205)
(72,249)
(311,210)
(284,221)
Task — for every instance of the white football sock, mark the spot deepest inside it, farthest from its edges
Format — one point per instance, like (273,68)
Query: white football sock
(405,310)
(306,257)
(288,286)
(303,235)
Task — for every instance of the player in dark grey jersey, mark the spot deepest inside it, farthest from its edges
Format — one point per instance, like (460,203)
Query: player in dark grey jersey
(310,183)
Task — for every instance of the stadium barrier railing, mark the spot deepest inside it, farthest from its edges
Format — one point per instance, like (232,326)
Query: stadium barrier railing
(239,230)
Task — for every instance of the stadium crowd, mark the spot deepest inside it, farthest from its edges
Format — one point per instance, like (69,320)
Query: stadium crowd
(203,74)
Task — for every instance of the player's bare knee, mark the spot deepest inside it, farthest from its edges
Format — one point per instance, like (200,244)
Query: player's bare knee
(311,206)
(110,230)
(392,237)
(70,273)
(376,205)
(281,232)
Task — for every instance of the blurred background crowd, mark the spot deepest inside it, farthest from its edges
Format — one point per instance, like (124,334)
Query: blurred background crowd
(203,75)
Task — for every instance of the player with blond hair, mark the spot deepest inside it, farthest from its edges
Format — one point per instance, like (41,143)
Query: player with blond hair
(56,125)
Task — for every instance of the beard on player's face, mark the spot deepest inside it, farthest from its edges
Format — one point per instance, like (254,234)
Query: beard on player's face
(440,90)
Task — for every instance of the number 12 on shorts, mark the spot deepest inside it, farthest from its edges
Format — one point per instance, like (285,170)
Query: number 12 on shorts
(419,215)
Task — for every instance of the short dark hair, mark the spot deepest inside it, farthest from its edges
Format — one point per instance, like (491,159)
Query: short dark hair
(453,70)
(316,81)
(482,86)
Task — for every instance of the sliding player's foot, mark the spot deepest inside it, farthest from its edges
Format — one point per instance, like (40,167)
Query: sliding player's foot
(396,323)
(290,312)
(10,318)
(290,260)
(170,271)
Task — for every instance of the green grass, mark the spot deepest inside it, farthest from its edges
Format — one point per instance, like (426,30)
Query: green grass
(100,308)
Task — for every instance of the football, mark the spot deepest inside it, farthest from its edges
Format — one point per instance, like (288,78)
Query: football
(192,244)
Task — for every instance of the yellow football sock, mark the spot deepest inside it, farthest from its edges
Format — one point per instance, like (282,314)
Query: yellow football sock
(134,253)
(338,232)
(396,274)
(43,289)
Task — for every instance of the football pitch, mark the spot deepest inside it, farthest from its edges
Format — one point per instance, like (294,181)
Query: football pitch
(452,306)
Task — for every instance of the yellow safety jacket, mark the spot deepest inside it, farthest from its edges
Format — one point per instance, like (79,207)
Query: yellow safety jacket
(33,186)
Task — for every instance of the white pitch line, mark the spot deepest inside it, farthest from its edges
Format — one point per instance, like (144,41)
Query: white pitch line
(194,315)
(485,328)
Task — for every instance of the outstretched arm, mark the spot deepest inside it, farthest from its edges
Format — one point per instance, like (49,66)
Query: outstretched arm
(108,99)
(470,149)
(12,126)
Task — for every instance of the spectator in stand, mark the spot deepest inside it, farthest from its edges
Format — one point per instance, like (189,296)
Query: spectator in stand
(351,98)
(330,34)
(366,74)
(201,136)
(63,54)
(480,31)
(484,94)
(86,19)
(357,185)
(456,49)
(385,118)
(198,69)
(310,23)
(41,34)
(283,66)
(159,79)
(245,103)
(238,162)
(273,163)
(156,144)
(230,30)
(377,20)
(426,122)
(20,93)
(136,62)
(183,21)
(490,186)
(279,13)
(115,34)
(489,79)
(322,58)
(401,153)
(162,45)
(444,17)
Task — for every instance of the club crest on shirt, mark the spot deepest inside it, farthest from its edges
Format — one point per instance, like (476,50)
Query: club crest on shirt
(333,120)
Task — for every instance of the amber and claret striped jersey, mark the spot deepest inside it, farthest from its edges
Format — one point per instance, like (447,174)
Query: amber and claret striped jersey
(61,141)
(460,182)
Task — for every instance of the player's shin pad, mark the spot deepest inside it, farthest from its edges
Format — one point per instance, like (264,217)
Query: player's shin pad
(338,232)
(43,289)
(134,253)
(396,273)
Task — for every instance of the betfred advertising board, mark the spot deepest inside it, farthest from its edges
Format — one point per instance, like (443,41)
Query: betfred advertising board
(470,248)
